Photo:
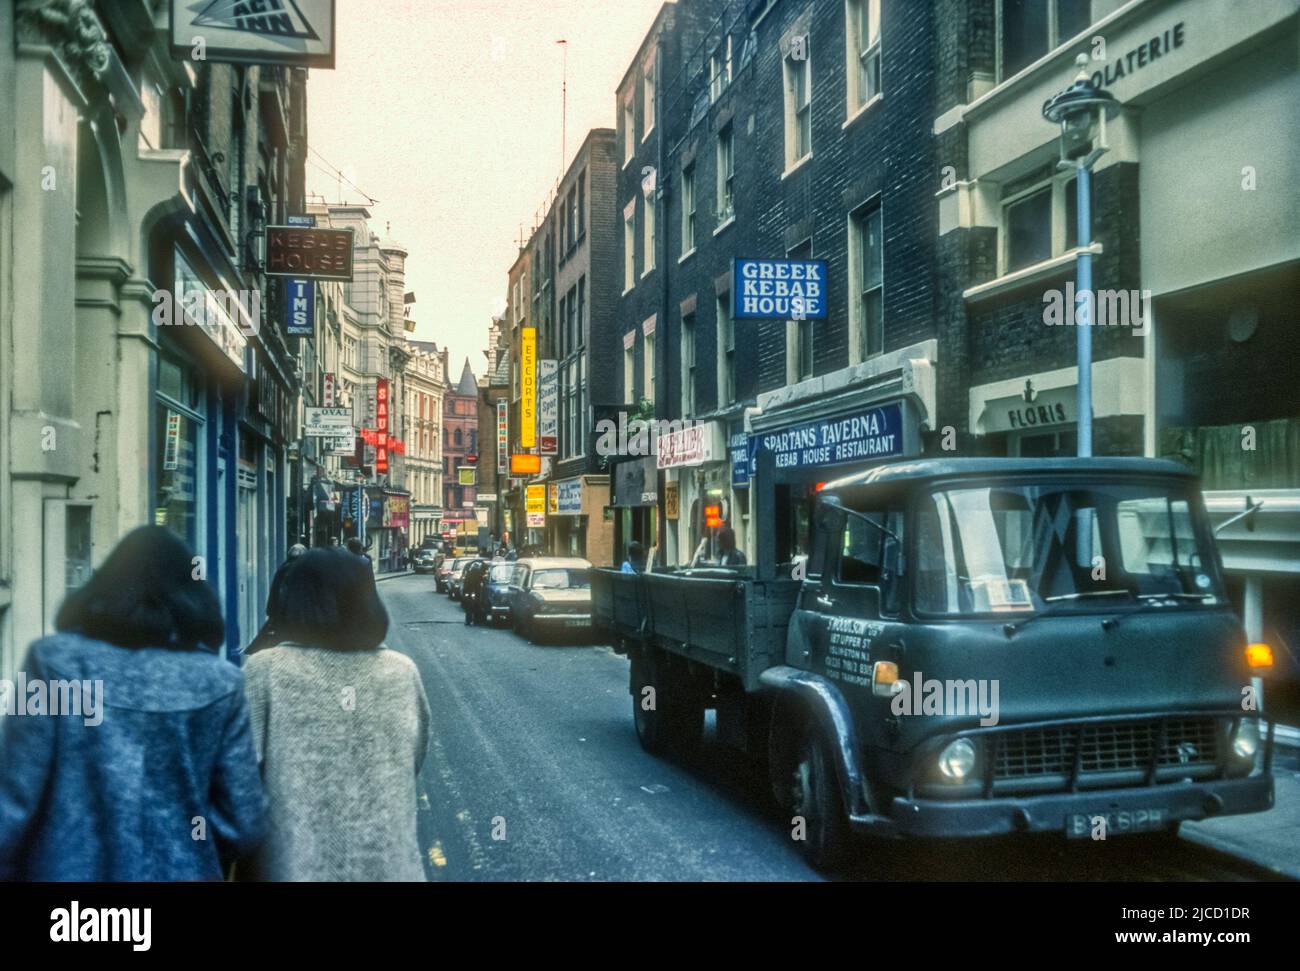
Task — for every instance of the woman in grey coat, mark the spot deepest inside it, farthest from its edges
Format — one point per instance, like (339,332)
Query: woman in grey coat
(341,726)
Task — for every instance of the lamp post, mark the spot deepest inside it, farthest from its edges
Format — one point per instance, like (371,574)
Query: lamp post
(1080,111)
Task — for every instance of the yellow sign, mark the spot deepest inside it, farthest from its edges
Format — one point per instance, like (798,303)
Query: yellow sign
(528,388)
(552,497)
(535,500)
(672,501)
(467,476)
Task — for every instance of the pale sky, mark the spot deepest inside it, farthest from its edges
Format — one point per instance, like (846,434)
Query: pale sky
(448,113)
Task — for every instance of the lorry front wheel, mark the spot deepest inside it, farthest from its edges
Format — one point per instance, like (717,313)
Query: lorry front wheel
(818,805)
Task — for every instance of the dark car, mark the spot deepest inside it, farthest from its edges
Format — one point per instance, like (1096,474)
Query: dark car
(551,593)
(424,560)
(457,575)
(499,593)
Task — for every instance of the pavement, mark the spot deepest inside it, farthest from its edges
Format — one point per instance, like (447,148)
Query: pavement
(535,773)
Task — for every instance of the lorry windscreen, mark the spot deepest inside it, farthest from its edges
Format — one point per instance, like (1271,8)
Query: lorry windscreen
(1034,546)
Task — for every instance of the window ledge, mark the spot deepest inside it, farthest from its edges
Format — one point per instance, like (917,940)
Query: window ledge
(1030,274)
(722,226)
(646,137)
(866,106)
(628,290)
(686,256)
(796,166)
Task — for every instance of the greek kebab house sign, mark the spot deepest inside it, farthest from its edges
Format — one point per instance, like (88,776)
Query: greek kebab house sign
(873,434)
(783,289)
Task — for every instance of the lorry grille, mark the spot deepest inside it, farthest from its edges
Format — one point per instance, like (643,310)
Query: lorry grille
(1108,750)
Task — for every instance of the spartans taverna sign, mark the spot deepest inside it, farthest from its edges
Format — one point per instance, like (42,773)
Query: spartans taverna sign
(782,289)
(296,33)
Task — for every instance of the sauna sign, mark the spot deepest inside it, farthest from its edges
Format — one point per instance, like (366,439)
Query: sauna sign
(308,252)
(779,289)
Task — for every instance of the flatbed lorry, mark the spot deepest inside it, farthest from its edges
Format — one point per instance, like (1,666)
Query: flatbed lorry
(973,647)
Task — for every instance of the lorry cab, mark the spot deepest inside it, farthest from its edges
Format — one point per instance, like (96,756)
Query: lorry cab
(988,646)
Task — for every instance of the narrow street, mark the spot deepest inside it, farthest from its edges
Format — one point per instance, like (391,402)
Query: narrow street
(538,739)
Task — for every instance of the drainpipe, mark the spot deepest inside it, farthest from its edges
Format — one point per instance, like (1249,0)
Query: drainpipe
(661,212)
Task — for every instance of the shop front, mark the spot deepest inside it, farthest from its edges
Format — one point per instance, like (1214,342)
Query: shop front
(635,506)
(697,473)
(576,524)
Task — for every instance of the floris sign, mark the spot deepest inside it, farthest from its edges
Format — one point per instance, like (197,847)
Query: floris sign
(309,252)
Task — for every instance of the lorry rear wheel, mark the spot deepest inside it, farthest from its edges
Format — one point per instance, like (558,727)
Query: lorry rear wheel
(818,803)
(666,717)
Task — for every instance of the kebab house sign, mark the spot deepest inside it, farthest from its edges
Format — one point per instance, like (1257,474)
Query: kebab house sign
(309,252)
(870,435)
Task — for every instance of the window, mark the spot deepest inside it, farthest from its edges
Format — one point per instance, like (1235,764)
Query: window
(866,247)
(799,333)
(629,392)
(648,256)
(726,175)
(629,247)
(798,105)
(720,69)
(862,38)
(1028,29)
(582,203)
(648,363)
(460,438)
(629,131)
(688,365)
(1039,220)
(648,101)
(688,209)
(726,351)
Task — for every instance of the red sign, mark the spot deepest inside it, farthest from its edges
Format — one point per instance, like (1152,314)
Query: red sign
(381,426)
(713,515)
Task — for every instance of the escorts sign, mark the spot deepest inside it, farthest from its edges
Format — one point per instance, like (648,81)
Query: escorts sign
(309,252)
(782,289)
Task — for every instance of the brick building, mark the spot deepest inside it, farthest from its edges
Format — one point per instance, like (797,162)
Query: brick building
(459,442)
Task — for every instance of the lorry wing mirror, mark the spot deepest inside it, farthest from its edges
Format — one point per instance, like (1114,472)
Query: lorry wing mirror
(1248,516)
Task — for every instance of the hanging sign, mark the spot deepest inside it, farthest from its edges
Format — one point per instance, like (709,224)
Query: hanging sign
(296,33)
(528,388)
(548,406)
(503,436)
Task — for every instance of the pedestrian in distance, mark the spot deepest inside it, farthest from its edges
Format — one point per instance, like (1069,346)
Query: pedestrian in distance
(152,776)
(473,590)
(357,549)
(635,562)
(728,553)
(340,728)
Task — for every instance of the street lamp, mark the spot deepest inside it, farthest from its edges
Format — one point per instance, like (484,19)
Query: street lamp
(1080,111)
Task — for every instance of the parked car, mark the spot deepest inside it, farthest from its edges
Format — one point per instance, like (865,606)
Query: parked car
(551,593)
(458,575)
(499,593)
(442,573)
(424,560)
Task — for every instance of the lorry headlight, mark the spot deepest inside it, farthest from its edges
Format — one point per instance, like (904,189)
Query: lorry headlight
(957,761)
(1245,741)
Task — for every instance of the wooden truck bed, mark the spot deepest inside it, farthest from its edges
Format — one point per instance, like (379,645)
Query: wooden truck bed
(727,621)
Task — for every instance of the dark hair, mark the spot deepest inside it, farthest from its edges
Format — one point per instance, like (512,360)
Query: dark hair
(147,593)
(328,598)
(635,550)
(355,547)
(726,539)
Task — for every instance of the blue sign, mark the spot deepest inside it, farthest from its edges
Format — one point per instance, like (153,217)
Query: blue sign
(867,436)
(300,220)
(783,289)
(300,308)
(738,447)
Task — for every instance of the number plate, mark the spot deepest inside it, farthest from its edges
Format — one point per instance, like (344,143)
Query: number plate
(577,623)
(1081,825)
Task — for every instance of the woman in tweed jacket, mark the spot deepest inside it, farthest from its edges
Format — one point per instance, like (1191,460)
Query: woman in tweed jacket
(340,725)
